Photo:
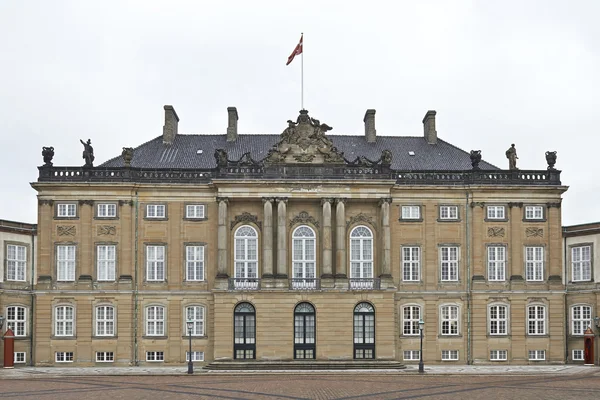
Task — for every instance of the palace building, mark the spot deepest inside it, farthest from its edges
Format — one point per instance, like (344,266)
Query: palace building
(304,245)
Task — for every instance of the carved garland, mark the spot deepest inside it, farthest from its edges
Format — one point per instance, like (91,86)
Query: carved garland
(496,231)
(108,230)
(65,230)
(360,219)
(246,217)
(304,218)
(534,232)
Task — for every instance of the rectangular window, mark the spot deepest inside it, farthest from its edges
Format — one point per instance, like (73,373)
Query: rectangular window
(577,355)
(449,317)
(534,212)
(16,320)
(496,212)
(449,355)
(155,263)
(107,210)
(107,255)
(196,356)
(581,263)
(194,211)
(534,263)
(195,315)
(155,356)
(105,321)
(581,319)
(449,263)
(411,355)
(155,321)
(19,357)
(105,356)
(448,212)
(194,263)
(411,212)
(66,210)
(496,263)
(536,320)
(411,264)
(537,355)
(64,356)
(498,320)
(16,262)
(411,317)
(63,321)
(497,355)
(65,263)
(155,211)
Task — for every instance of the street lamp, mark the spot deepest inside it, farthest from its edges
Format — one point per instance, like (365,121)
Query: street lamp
(190,325)
(1,321)
(421,326)
(596,322)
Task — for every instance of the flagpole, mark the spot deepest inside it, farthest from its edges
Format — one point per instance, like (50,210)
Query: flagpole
(302,74)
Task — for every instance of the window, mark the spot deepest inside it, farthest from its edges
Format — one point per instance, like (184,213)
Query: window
(304,331)
(361,253)
(496,263)
(537,355)
(244,331)
(536,320)
(411,263)
(534,263)
(449,355)
(411,317)
(155,321)
(194,263)
(496,212)
(497,355)
(155,211)
(498,319)
(107,210)
(155,356)
(155,263)
(196,356)
(19,357)
(64,356)
(581,319)
(246,252)
(66,210)
(105,321)
(65,262)
(195,314)
(63,321)
(411,212)
(412,355)
(194,211)
(577,355)
(449,316)
(448,212)
(106,262)
(105,356)
(303,253)
(364,331)
(16,262)
(534,212)
(16,320)
(581,263)
(449,263)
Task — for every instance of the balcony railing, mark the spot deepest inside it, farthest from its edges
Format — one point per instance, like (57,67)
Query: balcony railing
(305,284)
(364,283)
(244,284)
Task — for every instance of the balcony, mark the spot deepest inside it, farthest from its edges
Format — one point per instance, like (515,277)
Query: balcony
(364,283)
(244,284)
(305,284)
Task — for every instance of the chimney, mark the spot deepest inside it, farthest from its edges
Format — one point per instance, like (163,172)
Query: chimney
(369,120)
(429,127)
(170,126)
(232,124)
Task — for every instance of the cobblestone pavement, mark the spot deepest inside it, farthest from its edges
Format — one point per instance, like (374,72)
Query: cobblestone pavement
(564,382)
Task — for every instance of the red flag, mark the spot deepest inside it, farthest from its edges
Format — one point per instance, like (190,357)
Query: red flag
(297,50)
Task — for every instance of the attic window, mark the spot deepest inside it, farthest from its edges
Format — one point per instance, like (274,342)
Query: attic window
(411,153)
(199,151)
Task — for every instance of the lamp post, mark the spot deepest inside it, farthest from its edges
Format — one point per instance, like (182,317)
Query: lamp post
(190,325)
(1,322)
(421,326)
(596,322)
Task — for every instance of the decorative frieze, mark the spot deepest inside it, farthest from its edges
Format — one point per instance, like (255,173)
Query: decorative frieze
(496,231)
(126,202)
(107,230)
(66,230)
(246,217)
(86,202)
(534,232)
(384,200)
(304,218)
(360,219)
(477,204)
(513,204)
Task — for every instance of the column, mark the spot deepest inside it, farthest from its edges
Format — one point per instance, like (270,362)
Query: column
(386,255)
(340,239)
(515,268)
(267,237)
(281,238)
(222,236)
(85,267)
(554,238)
(327,271)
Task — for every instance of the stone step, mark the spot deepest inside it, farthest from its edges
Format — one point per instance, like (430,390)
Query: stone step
(302,365)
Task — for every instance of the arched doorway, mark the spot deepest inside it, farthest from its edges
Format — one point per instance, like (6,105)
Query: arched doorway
(304,331)
(244,331)
(364,331)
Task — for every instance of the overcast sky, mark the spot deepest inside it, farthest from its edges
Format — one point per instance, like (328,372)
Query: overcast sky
(497,72)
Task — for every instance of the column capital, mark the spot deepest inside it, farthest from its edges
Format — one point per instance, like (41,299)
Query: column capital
(477,204)
(327,200)
(384,200)
(339,200)
(555,205)
(268,199)
(223,199)
(281,199)
(511,205)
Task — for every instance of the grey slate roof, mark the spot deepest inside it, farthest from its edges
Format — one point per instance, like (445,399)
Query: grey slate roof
(183,153)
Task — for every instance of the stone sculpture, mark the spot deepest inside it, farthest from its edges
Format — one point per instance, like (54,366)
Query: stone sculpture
(88,153)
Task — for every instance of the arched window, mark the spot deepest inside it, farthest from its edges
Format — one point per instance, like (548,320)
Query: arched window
(244,327)
(246,252)
(361,253)
(304,331)
(195,314)
(105,320)
(303,256)
(364,331)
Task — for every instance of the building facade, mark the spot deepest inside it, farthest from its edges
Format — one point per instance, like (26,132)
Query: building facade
(303,245)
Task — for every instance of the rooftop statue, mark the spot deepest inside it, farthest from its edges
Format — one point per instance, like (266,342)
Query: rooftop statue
(48,153)
(88,153)
(511,154)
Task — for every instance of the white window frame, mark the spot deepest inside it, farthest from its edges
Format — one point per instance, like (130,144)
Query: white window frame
(498,319)
(106,262)
(155,320)
(246,252)
(496,212)
(411,263)
(361,261)
(577,355)
(411,212)
(20,354)
(16,320)
(496,260)
(411,355)
(534,263)
(448,213)
(449,320)
(498,355)
(450,355)
(155,356)
(581,263)
(158,211)
(66,262)
(105,356)
(304,242)
(106,210)
(536,322)
(66,210)
(64,325)
(411,315)
(195,211)
(156,264)
(196,314)
(197,356)
(583,312)
(449,263)
(537,355)
(16,262)
(105,317)
(64,356)
(533,212)
(194,263)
